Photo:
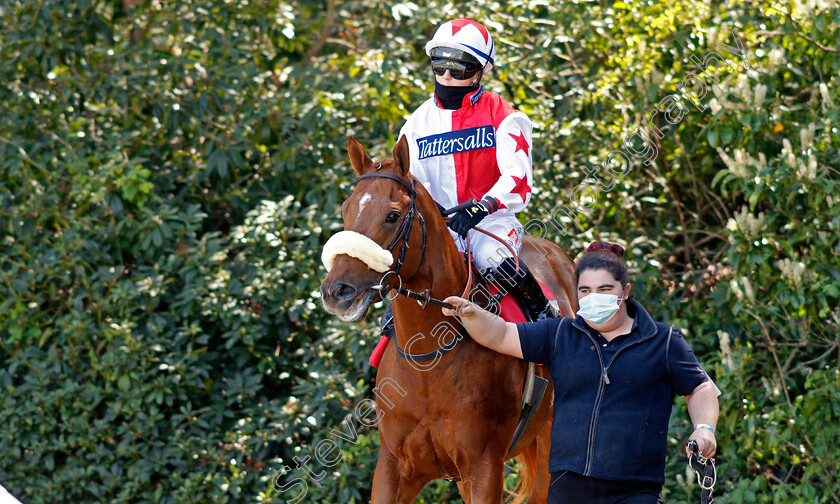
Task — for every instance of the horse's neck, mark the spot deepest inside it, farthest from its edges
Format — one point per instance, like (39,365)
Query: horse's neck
(443,269)
(443,272)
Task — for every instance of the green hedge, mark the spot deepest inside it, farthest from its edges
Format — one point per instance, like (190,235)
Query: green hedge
(170,171)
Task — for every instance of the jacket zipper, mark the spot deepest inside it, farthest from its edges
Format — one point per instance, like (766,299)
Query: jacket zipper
(599,397)
(593,422)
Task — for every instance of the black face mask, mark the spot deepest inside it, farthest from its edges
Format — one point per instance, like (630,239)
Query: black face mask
(451,97)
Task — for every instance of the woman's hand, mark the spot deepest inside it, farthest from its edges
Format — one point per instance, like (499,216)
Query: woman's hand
(485,328)
(706,442)
(462,307)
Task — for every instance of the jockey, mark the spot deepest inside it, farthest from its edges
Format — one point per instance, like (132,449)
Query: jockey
(470,145)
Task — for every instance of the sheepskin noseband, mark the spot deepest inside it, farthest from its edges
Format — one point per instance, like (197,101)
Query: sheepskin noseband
(359,246)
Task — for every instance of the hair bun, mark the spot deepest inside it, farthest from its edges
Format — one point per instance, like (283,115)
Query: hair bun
(599,246)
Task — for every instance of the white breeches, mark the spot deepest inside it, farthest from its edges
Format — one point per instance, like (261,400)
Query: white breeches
(488,252)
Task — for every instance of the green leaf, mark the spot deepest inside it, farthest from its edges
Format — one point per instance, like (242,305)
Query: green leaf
(820,22)
(746,119)
(827,63)
(45,336)
(124,383)
(726,135)
(755,196)
(712,136)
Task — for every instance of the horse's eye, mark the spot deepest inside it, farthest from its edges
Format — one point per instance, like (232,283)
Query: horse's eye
(392,217)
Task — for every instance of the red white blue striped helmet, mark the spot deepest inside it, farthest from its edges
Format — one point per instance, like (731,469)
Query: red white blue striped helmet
(467,35)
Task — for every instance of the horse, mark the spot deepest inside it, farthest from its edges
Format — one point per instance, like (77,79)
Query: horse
(455,419)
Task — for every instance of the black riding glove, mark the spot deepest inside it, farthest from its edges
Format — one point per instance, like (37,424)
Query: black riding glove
(466,218)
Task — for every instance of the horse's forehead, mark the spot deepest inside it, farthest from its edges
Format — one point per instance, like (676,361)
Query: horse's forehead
(384,164)
(371,197)
(378,190)
(363,201)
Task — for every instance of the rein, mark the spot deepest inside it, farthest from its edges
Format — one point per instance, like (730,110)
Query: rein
(424,298)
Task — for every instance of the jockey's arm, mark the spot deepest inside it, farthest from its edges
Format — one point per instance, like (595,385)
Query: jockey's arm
(486,328)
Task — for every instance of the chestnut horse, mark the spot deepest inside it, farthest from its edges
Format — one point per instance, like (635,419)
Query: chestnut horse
(459,413)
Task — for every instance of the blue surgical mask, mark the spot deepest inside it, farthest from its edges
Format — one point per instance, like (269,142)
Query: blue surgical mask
(599,308)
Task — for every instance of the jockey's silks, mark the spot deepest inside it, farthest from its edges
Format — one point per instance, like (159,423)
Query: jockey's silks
(481,149)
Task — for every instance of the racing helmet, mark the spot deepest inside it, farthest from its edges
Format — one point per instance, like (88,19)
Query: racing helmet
(468,36)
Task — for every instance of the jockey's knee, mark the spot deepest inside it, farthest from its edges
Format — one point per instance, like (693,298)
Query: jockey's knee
(490,254)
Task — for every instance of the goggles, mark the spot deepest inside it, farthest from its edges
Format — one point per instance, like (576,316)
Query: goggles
(457,62)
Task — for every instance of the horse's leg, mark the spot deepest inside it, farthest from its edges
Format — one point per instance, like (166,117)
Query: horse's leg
(542,443)
(389,487)
(385,477)
(487,483)
(465,489)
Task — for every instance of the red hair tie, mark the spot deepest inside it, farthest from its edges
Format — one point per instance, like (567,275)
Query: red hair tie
(599,246)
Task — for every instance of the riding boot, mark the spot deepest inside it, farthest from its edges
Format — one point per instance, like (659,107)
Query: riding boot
(388,323)
(524,288)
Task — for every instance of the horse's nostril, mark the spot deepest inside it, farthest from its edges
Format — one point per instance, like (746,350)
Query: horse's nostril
(342,292)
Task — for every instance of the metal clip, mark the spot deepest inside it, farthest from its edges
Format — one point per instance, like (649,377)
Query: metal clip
(708,481)
(700,465)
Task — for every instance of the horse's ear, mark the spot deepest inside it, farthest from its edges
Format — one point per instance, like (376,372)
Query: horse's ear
(362,163)
(401,157)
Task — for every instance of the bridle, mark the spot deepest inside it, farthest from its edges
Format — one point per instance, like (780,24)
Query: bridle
(404,233)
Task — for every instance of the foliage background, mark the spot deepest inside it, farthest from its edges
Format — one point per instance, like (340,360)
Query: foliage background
(170,170)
